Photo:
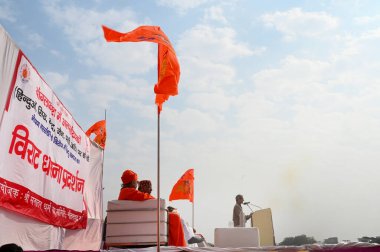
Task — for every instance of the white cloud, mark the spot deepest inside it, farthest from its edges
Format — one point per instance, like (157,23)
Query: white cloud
(7,11)
(55,79)
(102,90)
(57,54)
(365,20)
(35,40)
(293,80)
(205,75)
(182,6)
(212,44)
(190,120)
(67,94)
(86,36)
(210,102)
(215,13)
(298,23)
(208,52)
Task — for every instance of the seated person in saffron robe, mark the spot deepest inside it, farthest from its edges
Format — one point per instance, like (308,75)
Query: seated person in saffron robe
(191,239)
(128,192)
(176,232)
(128,188)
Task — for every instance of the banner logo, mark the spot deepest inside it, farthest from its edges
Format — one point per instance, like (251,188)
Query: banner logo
(24,73)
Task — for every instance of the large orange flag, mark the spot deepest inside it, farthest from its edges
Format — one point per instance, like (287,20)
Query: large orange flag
(168,66)
(99,129)
(184,188)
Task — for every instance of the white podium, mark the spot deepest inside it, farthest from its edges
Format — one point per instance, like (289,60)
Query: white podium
(237,237)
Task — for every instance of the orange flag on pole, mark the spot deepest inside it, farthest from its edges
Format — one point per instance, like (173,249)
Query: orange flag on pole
(168,66)
(184,188)
(99,129)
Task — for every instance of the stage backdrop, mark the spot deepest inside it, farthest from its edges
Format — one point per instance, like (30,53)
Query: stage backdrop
(50,171)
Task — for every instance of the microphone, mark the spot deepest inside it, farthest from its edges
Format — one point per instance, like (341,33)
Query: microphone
(248,203)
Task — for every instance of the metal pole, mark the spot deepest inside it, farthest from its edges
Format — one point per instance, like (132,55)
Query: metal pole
(193,204)
(158,179)
(104,224)
(193,213)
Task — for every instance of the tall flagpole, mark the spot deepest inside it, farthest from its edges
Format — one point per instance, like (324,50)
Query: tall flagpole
(104,149)
(193,203)
(158,178)
(193,212)
(103,154)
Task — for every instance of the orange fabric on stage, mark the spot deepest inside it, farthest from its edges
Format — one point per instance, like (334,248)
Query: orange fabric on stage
(133,194)
(176,233)
(99,129)
(168,66)
(184,188)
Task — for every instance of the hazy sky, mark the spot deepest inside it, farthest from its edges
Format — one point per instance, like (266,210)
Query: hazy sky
(278,101)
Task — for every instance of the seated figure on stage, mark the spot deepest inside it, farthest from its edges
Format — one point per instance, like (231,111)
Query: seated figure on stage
(128,188)
(184,228)
(128,191)
(145,186)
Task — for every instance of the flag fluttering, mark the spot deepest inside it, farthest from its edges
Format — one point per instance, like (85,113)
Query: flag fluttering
(168,67)
(184,188)
(99,129)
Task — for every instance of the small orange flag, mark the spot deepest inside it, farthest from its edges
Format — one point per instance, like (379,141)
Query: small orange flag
(168,66)
(99,129)
(184,188)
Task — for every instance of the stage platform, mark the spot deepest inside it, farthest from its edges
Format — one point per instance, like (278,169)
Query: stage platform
(341,247)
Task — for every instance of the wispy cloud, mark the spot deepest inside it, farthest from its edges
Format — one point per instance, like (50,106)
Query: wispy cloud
(296,23)
(35,40)
(213,44)
(208,52)
(365,20)
(7,11)
(86,36)
(108,89)
(216,101)
(215,13)
(56,79)
(182,6)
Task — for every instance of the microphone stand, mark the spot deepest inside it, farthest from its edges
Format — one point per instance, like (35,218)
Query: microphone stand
(254,206)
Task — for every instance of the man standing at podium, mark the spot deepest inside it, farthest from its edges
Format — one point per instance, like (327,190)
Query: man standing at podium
(238,215)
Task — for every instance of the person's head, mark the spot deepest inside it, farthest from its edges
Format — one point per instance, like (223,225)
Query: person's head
(11,247)
(145,186)
(129,179)
(239,199)
(171,209)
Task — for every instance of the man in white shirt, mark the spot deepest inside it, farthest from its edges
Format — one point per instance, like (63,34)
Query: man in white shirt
(238,216)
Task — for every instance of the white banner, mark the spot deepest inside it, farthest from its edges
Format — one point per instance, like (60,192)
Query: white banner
(44,154)
(8,57)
